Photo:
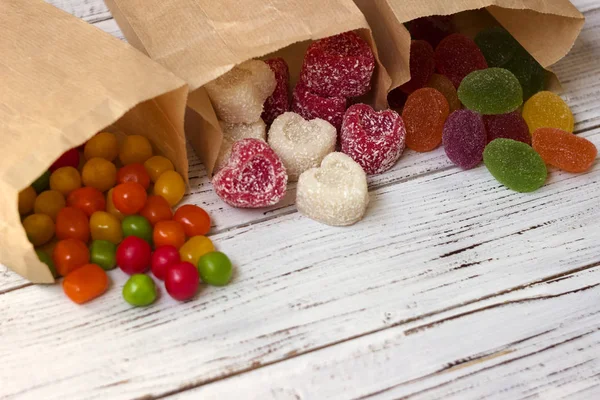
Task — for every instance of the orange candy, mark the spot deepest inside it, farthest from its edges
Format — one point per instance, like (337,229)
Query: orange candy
(110,207)
(424,115)
(168,233)
(195,221)
(70,254)
(72,223)
(134,173)
(129,198)
(87,199)
(85,283)
(156,209)
(564,150)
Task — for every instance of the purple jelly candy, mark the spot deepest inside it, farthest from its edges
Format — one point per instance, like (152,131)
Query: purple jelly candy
(464,138)
(432,29)
(507,126)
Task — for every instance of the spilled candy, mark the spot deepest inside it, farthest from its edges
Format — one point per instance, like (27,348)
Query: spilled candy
(564,150)
(464,138)
(507,126)
(432,29)
(491,91)
(311,106)
(424,114)
(279,101)
(85,283)
(422,65)
(457,56)
(234,132)
(548,110)
(445,87)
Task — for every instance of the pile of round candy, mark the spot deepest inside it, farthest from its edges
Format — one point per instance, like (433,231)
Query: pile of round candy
(92,211)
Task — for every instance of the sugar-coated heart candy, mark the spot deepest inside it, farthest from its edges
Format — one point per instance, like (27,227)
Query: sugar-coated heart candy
(548,110)
(464,138)
(457,56)
(338,66)
(375,140)
(422,65)
(279,101)
(311,106)
(234,132)
(491,91)
(564,150)
(336,193)
(424,114)
(239,95)
(254,176)
(445,87)
(432,29)
(301,144)
(507,126)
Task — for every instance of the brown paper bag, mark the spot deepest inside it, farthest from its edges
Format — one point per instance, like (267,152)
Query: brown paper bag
(546,29)
(200,40)
(62,81)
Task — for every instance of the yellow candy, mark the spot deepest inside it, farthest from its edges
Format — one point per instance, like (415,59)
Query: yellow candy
(548,110)
(103,145)
(105,226)
(171,186)
(39,228)
(26,200)
(194,248)
(157,165)
(110,206)
(65,180)
(49,202)
(135,149)
(99,173)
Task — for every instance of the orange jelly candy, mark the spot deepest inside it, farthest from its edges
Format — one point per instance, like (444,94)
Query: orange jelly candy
(85,283)
(564,150)
(424,114)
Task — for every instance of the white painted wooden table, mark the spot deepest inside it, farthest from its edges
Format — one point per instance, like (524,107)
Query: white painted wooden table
(451,288)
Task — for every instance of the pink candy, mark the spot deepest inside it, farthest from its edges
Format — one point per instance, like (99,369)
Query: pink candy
(279,102)
(375,140)
(254,176)
(311,106)
(464,138)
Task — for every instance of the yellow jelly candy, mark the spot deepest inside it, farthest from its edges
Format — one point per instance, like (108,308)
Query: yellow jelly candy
(171,186)
(194,248)
(49,202)
(156,165)
(26,200)
(99,173)
(39,228)
(548,110)
(65,180)
(135,149)
(110,206)
(105,226)
(103,145)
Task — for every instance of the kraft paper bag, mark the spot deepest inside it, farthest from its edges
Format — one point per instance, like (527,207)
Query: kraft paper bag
(200,40)
(61,82)
(547,29)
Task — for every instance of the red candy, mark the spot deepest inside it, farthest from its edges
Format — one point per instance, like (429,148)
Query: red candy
(375,140)
(133,255)
(422,65)
(464,138)
(507,126)
(311,106)
(254,176)
(338,66)
(182,281)
(162,258)
(457,56)
(432,29)
(69,158)
(279,101)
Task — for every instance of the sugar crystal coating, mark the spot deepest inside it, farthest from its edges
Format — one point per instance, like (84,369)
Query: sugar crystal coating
(491,91)
(301,144)
(432,29)
(239,95)
(375,140)
(234,132)
(445,87)
(311,106)
(457,56)
(279,102)
(336,193)
(424,115)
(422,65)
(464,138)
(338,66)
(548,110)
(254,176)
(564,150)
(507,126)
(515,165)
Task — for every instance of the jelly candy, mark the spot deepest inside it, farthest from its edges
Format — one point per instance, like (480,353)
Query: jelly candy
(105,226)
(397,98)
(65,180)
(156,165)
(162,258)
(445,87)
(564,150)
(135,149)
(215,268)
(515,165)
(139,290)
(129,198)
(72,223)
(375,140)
(424,115)
(464,138)
(85,283)
(69,158)
(103,253)
(195,220)
(171,186)
(311,106)
(239,95)
(301,144)
(87,199)
(102,145)
(42,182)
(234,132)
(133,255)
(156,209)
(182,281)
(136,225)
(338,66)
(491,91)
(254,177)
(507,126)
(110,206)
(432,29)
(422,65)
(194,248)
(457,56)
(99,173)
(134,173)
(168,233)
(39,228)
(70,254)
(548,110)
(336,193)
(46,259)
(528,71)
(279,101)
(27,199)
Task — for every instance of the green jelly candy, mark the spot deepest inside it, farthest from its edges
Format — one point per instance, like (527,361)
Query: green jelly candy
(136,225)
(491,91)
(42,182)
(215,268)
(46,259)
(140,290)
(529,72)
(515,165)
(103,253)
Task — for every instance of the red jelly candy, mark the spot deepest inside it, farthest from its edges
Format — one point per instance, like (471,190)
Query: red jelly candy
(375,140)
(311,106)
(422,65)
(253,177)
(133,255)
(507,126)
(69,158)
(464,138)
(162,258)
(338,66)
(279,101)
(182,281)
(457,56)
(432,29)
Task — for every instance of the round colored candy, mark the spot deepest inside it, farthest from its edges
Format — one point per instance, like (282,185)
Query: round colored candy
(103,253)
(171,186)
(135,149)
(457,56)
(39,228)
(87,199)
(279,102)
(156,165)
(375,140)
(102,145)
(311,106)
(515,165)
(134,173)
(445,87)
(136,225)
(133,255)
(234,132)
(85,283)
(464,138)
(99,173)
(215,268)
(49,202)
(195,221)
(27,198)
(491,91)
(195,248)
(110,206)
(156,209)
(548,110)
(182,281)
(168,233)
(129,198)
(507,126)
(432,29)
(70,254)
(105,226)
(42,182)
(564,150)
(69,158)
(139,290)
(65,180)
(46,259)
(424,115)
(72,223)
(162,258)
(422,65)
(528,71)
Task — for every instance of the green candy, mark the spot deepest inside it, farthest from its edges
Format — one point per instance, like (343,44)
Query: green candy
(515,165)
(529,72)
(136,225)
(46,259)
(103,253)
(140,290)
(42,182)
(491,91)
(215,268)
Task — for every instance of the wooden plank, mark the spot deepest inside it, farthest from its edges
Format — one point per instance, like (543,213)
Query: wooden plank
(88,10)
